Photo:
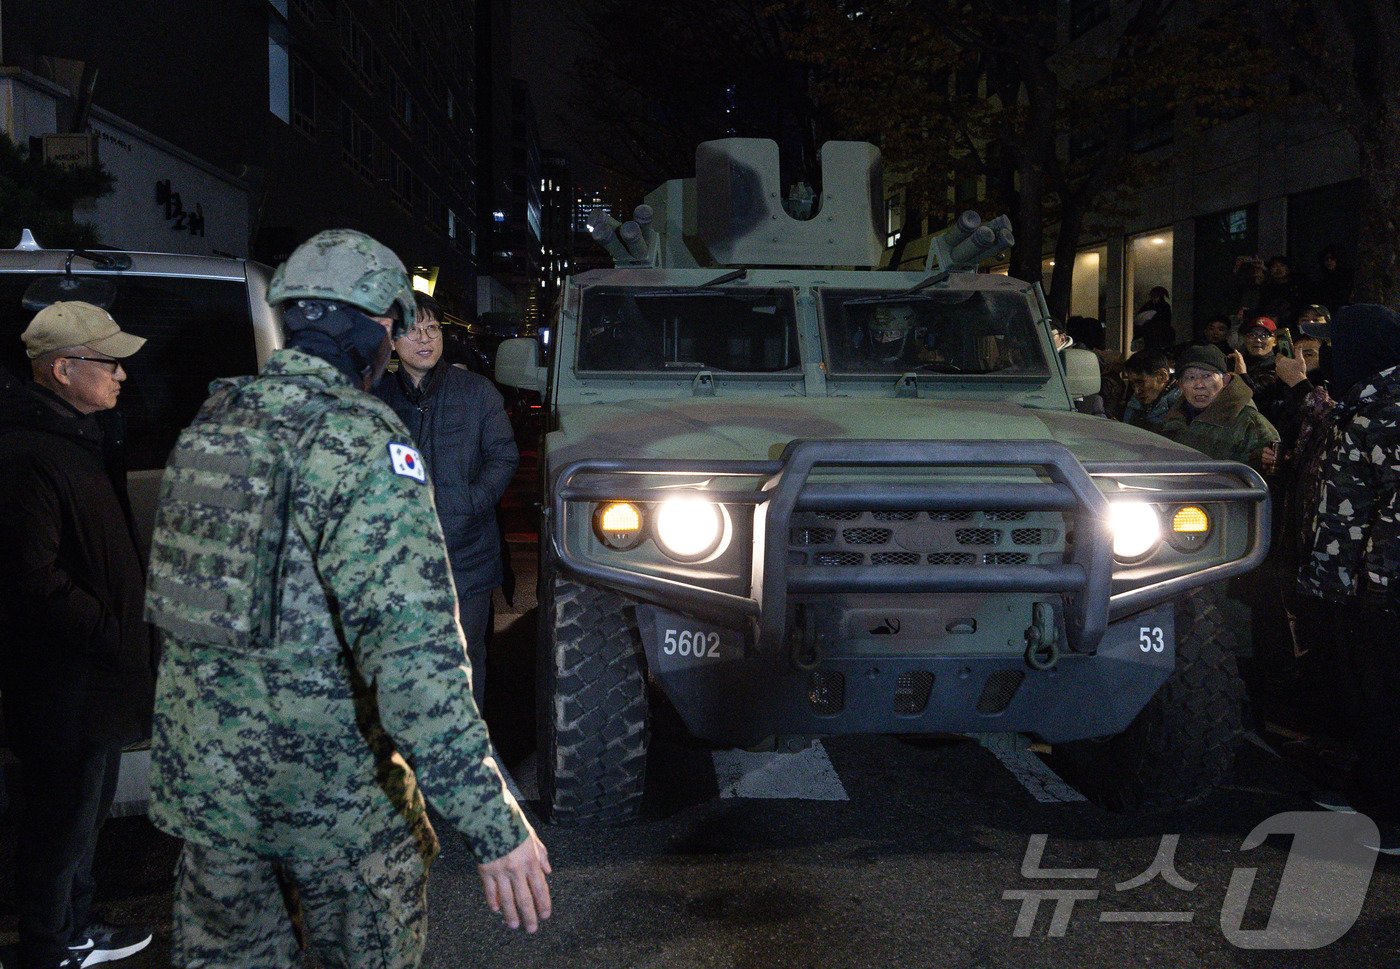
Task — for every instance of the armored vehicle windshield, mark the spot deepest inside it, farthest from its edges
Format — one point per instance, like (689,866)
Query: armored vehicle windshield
(955,332)
(680,330)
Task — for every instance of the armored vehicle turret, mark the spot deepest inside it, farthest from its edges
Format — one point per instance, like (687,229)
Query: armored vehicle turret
(791,496)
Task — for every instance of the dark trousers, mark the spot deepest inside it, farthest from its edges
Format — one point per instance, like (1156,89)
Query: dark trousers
(475,612)
(1374,787)
(66,800)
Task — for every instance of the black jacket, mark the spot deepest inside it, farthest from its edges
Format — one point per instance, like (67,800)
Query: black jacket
(458,421)
(77,663)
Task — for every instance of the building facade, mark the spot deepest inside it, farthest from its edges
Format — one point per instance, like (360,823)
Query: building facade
(329,113)
(1281,181)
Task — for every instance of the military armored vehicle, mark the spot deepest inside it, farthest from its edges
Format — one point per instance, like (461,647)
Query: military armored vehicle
(790,496)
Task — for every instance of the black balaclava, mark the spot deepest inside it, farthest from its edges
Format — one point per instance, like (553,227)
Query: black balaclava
(1365,341)
(338,333)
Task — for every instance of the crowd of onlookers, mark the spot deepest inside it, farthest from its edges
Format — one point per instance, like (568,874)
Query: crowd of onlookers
(1303,386)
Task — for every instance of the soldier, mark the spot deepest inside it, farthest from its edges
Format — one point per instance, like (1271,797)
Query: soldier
(312,651)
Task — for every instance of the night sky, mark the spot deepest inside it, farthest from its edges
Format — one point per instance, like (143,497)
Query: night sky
(545,42)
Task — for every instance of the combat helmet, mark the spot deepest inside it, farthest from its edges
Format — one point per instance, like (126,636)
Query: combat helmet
(348,267)
(891,323)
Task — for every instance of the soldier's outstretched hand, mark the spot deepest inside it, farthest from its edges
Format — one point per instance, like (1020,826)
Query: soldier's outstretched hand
(515,884)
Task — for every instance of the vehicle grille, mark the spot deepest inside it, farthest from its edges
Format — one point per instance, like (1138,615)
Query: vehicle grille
(999,690)
(900,539)
(826,692)
(911,692)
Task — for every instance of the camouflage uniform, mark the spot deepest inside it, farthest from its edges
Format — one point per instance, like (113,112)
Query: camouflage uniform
(1229,429)
(287,762)
(1355,550)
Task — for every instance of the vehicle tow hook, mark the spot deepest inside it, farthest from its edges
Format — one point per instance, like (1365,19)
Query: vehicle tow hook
(1042,643)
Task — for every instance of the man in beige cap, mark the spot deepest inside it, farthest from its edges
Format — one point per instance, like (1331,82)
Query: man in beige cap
(77,665)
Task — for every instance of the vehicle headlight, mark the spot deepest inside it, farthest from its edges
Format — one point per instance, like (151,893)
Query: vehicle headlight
(689,528)
(1136,529)
(618,524)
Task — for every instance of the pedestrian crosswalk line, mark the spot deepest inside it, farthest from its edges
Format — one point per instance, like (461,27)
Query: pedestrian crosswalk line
(1015,755)
(807,775)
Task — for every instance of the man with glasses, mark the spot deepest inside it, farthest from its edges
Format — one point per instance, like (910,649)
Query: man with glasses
(1216,413)
(458,421)
(77,668)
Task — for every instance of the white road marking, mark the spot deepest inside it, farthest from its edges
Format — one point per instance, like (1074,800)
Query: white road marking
(1043,784)
(807,775)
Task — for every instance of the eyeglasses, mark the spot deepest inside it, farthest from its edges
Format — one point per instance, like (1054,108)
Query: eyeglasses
(424,334)
(114,364)
(1260,335)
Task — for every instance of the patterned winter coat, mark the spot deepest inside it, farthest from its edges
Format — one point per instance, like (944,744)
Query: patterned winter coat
(300,748)
(1230,429)
(1355,549)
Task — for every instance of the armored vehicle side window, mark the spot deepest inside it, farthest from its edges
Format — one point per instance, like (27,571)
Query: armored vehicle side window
(747,331)
(931,332)
(196,330)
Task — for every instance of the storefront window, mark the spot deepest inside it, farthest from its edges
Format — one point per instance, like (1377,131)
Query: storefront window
(1148,266)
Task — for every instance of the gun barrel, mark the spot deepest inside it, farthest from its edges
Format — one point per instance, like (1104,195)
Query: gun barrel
(971,250)
(630,235)
(963,226)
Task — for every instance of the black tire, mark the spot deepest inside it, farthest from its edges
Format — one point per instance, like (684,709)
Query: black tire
(1182,745)
(594,727)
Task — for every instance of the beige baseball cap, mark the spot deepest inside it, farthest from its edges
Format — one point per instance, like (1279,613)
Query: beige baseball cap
(74,324)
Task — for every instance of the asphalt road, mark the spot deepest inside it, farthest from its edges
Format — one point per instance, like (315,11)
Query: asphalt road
(864,852)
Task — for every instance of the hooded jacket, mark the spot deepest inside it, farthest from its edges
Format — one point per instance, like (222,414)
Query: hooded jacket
(77,663)
(458,421)
(1355,547)
(1230,428)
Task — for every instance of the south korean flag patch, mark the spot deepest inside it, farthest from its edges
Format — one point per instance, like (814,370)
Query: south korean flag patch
(407,461)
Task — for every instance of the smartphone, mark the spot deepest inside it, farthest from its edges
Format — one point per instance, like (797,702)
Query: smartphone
(1284,341)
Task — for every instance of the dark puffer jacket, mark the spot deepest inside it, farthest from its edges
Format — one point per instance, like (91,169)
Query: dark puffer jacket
(458,421)
(77,664)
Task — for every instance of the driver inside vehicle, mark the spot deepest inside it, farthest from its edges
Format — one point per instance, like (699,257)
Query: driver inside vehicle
(892,335)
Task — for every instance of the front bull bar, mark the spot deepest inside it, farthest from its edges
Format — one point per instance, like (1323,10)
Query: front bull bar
(1084,579)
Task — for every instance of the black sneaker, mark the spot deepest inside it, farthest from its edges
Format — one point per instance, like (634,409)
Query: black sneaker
(108,943)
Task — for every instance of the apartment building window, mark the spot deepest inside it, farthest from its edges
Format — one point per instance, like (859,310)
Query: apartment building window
(279,96)
(400,180)
(1085,15)
(364,61)
(1148,265)
(1151,123)
(303,97)
(1221,238)
(401,100)
(357,143)
(894,218)
(437,212)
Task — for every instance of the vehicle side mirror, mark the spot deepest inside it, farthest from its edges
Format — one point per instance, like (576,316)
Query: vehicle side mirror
(1082,376)
(518,364)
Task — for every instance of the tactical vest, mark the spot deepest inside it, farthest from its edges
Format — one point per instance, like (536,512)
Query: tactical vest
(222,523)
